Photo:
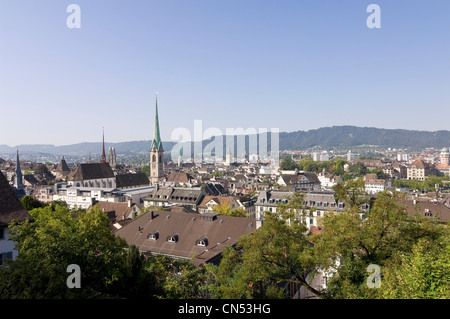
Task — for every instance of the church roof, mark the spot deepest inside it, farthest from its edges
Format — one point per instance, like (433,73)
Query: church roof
(63,167)
(95,170)
(11,209)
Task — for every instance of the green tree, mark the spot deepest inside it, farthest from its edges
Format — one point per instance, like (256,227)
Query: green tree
(30,203)
(217,174)
(176,278)
(352,193)
(146,170)
(338,167)
(225,209)
(357,170)
(262,263)
(288,164)
(421,274)
(350,244)
(380,174)
(56,239)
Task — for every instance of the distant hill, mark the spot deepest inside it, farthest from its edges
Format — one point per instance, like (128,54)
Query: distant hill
(327,137)
(352,136)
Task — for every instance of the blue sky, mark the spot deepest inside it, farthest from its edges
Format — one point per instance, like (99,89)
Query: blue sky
(293,65)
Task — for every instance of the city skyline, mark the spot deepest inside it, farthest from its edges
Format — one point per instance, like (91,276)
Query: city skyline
(295,66)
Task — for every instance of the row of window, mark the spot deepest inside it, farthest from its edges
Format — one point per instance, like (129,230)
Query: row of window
(175,197)
(173,238)
(306,203)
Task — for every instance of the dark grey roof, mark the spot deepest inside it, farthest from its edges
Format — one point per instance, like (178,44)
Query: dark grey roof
(11,209)
(95,170)
(300,177)
(62,167)
(130,180)
(186,195)
(160,194)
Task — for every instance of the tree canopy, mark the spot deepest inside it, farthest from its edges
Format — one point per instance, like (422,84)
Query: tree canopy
(56,239)
(411,253)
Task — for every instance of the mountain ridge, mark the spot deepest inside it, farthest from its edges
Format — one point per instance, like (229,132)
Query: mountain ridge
(344,136)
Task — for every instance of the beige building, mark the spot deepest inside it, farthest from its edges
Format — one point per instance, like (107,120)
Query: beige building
(419,169)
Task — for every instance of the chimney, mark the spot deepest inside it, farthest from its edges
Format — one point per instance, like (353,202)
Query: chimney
(130,202)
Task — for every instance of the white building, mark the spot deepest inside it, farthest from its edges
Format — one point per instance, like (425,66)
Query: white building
(316,156)
(324,156)
(402,157)
(350,156)
(85,197)
(328,180)
(322,202)
(373,185)
(320,156)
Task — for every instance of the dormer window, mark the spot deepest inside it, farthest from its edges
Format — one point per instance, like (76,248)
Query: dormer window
(153,236)
(202,242)
(172,238)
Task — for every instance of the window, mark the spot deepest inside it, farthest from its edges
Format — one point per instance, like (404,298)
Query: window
(2,233)
(4,257)
(172,238)
(311,221)
(202,242)
(153,236)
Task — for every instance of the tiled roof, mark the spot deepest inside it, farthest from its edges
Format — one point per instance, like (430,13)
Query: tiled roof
(179,177)
(118,211)
(11,209)
(186,229)
(436,209)
(218,199)
(95,170)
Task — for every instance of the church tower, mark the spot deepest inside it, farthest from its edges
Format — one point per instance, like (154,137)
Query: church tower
(156,152)
(18,179)
(103,157)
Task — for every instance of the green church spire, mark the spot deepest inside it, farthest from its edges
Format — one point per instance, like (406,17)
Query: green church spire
(156,136)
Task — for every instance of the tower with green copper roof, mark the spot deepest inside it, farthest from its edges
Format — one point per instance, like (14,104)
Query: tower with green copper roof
(156,152)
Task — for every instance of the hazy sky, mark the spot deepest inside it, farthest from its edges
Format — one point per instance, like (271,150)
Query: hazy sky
(292,65)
